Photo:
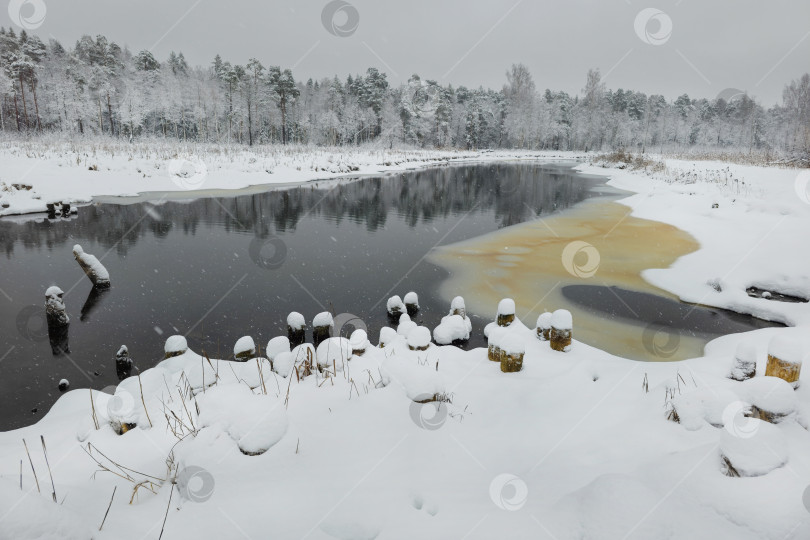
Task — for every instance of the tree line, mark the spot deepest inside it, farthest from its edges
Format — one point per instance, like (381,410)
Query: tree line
(98,87)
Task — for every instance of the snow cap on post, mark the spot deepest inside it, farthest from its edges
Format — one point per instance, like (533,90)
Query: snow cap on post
(244,349)
(506,312)
(387,335)
(418,338)
(412,303)
(543,326)
(296,329)
(93,269)
(395,306)
(561,333)
(175,346)
(457,307)
(322,327)
(359,342)
(276,346)
(744,364)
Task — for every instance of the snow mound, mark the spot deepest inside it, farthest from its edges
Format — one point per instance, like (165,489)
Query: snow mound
(395,305)
(283,363)
(506,307)
(512,344)
(452,328)
(359,340)
(276,345)
(405,325)
(562,320)
(770,394)
(387,335)
(175,344)
(457,306)
(760,450)
(419,337)
(29,514)
(323,318)
(333,353)
(254,422)
(296,321)
(245,347)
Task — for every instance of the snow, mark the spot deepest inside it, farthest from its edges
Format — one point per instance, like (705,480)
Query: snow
(323,319)
(506,307)
(786,349)
(146,168)
(561,320)
(296,321)
(458,304)
(395,305)
(278,344)
(359,340)
(387,335)
(283,363)
(770,394)
(333,353)
(511,344)
(544,321)
(418,337)
(746,352)
(452,328)
(757,453)
(91,263)
(53,291)
(405,325)
(244,345)
(412,299)
(176,344)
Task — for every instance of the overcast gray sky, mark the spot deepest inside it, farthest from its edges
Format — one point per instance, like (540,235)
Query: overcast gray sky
(752,45)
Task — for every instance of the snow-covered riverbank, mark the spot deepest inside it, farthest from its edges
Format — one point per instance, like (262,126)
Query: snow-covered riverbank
(35,174)
(578,444)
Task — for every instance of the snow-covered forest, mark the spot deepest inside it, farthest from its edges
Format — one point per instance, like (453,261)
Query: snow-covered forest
(99,87)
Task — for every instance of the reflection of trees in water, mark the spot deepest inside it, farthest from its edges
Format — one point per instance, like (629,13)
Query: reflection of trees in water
(516,193)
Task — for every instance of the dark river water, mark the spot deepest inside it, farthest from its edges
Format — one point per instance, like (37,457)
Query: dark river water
(216,269)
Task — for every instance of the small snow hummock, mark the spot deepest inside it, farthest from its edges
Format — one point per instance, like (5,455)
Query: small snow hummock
(296,321)
(245,348)
(64,384)
(758,451)
(387,335)
(561,320)
(323,319)
(511,344)
(452,328)
(175,345)
(785,349)
(276,345)
(333,353)
(774,397)
(419,338)
(506,307)
(283,363)
(405,325)
(395,305)
(359,340)
(412,299)
(96,271)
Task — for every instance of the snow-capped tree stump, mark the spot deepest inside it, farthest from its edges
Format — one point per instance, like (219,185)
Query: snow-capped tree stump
(359,342)
(123,363)
(322,326)
(493,344)
(544,326)
(92,267)
(57,319)
(387,335)
(411,303)
(244,349)
(296,329)
(457,307)
(395,307)
(771,398)
(419,338)
(506,312)
(175,346)
(561,331)
(744,365)
(512,351)
(785,360)
(55,312)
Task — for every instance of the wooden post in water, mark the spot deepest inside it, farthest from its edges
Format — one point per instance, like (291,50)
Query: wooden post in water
(512,351)
(744,365)
(561,332)
(411,303)
(506,312)
(493,344)
(395,308)
(296,329)
(175,346)
(544,326)
(123,363)
(359,342)
(322,326)
(94,270)
(57,320)
(785,359)
(244,349)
